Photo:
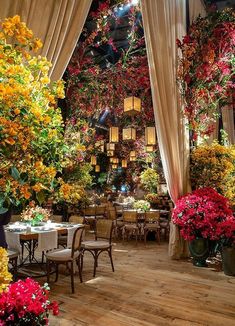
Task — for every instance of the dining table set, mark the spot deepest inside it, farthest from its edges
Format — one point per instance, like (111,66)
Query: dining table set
(31,242)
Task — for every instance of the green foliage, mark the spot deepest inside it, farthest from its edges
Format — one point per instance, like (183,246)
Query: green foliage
(149,180)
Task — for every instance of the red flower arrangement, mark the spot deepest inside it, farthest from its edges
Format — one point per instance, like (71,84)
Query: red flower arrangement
(26,303)
(203,213)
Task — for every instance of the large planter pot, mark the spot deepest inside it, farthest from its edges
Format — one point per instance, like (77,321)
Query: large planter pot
(4,219)
(199,249)
(228,260)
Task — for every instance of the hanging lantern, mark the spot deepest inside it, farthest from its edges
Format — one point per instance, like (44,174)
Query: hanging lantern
(110,153)
(114,166)
(150,136)
(113,135)
(115,160)
(102,148)
(132,153)
(93,160)
(110,147)
(132,158)
(132,105)
(129,134)
(97,168)
(124,163)
(149,149)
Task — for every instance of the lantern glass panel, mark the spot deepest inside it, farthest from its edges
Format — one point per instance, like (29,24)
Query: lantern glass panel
(149,149)
(93,160)
(113,135)
(124,163)
(129,134)
(110,147)
(110,153)
(150,136)
(132,153)
(97,168)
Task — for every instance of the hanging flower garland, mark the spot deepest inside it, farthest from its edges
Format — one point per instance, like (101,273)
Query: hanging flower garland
(207,69)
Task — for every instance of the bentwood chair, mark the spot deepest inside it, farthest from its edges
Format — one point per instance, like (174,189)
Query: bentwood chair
(102,242)
(67,256)
(151,224)
(62,239)
(13,260)
(130,224)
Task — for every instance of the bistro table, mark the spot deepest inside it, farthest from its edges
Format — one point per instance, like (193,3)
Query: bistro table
(21,236)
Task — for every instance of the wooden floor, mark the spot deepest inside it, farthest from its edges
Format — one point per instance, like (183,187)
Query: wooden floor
(146,289)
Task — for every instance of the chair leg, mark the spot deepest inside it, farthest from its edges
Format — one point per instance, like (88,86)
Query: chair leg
(57,272)
(79,267)
(72,277)
(145,236)
(111,258)
(158,236)
(95,262)
(48,270)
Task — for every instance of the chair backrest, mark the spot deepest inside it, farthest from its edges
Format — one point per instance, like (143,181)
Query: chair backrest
(152,217)
(100,210)
(76,219)
(89,211)
(112,214)
(77,239)
(56,218)
(129,216)
(104,229)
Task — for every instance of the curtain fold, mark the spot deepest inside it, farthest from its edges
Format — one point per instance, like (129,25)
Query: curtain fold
(164,22)
(58,23)
(196,8)
(228,123)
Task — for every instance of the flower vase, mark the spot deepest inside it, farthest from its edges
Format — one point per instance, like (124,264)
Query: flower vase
(228,260)
(199,249)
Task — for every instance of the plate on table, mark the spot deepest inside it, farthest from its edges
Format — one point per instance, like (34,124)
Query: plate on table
(43,228)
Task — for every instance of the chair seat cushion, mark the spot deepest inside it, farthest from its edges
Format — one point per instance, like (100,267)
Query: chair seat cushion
(130,226)
(12,254)
(92,244)
(61,255)
(152,226)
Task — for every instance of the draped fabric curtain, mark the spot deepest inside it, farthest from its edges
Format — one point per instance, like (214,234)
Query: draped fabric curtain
(164,22)
(58,23)
(196,8)
(228,123)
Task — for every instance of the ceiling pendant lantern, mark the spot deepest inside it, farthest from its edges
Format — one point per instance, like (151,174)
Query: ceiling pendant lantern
(115,160)
(124,163)
(150,136)
(97,168)
(93,160)
(113,135)
(132,105)
(110,146)
(132,158)
(149,149)
(114,166)
(129,134)
(110,153)
(132,153)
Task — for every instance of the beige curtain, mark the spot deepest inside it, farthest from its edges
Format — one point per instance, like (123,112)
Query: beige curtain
(228,123)
(196,8)
(164,22)
(58,23)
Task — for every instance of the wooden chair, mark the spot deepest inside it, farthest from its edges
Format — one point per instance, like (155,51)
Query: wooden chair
(130,224)
(15,218)
(62,239)
(102,242)
(117,222)
(100,211)
(152,224)
(67,256)
(56,218)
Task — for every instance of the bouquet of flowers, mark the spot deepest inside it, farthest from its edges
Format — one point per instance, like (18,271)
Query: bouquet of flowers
(26,303)
(201,214)
(141,205)
(129,201)
(35,214)
(152,198)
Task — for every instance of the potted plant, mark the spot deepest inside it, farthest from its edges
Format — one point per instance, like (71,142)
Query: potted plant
(226,234)
(198,215)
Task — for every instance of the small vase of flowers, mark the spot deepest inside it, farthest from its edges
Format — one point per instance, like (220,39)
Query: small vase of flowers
(141,205)
(35,215)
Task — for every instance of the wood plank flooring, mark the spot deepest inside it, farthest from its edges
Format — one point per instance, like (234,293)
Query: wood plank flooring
(146,289)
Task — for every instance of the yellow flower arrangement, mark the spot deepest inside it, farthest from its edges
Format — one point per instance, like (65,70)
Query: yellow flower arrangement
(5,276)
(214,166)
(31,128)
(71,193)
